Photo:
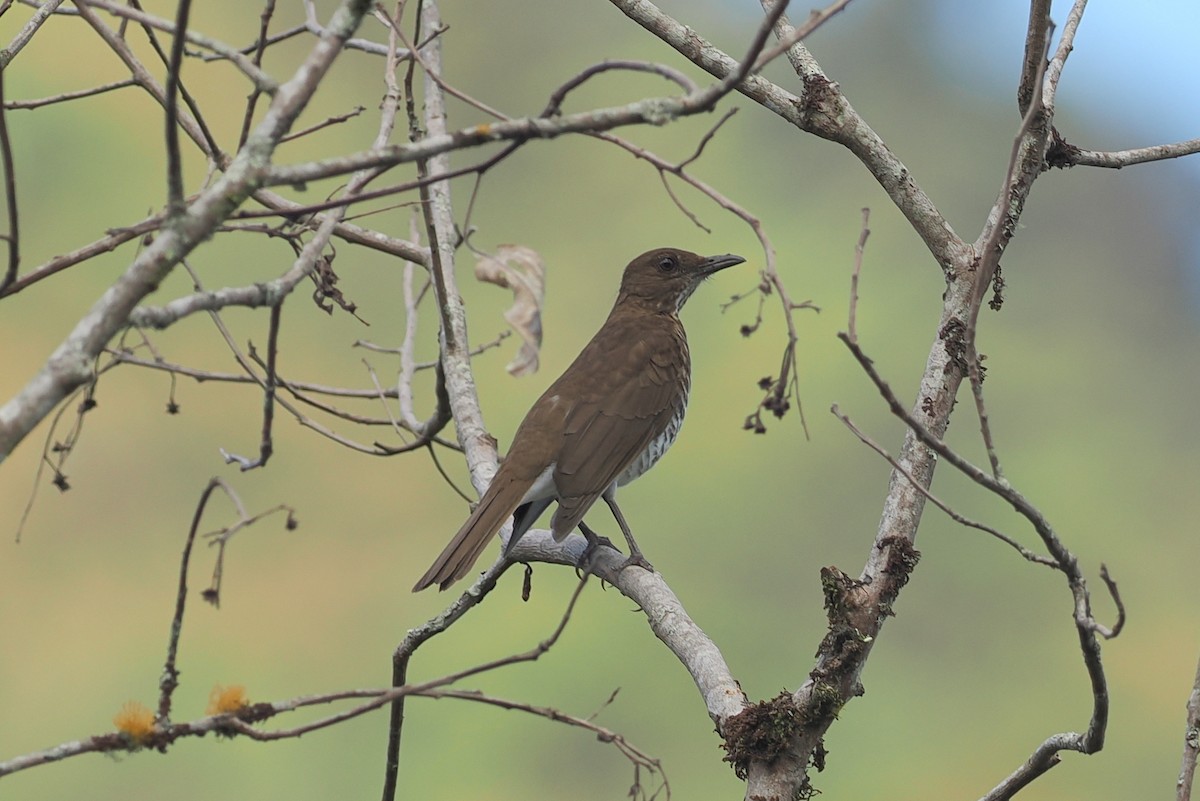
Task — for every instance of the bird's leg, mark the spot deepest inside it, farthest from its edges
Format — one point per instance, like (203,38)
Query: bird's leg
(635,553)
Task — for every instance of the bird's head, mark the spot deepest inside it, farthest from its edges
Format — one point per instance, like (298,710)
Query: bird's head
(665,278)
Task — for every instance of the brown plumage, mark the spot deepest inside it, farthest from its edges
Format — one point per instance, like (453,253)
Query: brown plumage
(605,421)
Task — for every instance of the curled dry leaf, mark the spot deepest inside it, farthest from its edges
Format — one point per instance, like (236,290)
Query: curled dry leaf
(522,270)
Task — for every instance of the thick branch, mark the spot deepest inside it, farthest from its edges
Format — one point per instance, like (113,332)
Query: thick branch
(668,619)
(1191,743)
(478,447)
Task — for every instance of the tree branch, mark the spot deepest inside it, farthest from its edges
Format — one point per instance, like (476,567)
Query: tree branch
(70,364)
(822,110)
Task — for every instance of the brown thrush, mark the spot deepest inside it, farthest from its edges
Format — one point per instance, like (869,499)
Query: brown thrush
(603,423)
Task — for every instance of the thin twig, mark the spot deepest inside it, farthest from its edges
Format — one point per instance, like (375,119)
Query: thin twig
(170,674)
(859,251)
(1024,162)
(133,13)
(638,758)
(381,165)
(313,26)
(13,237)
(407,361)
(260,47)
(336,119)
(222,536)
(410,52)
(67,96)
(174,161)
(554,104)
(955,516)
(1066,43)
(115,238)
(816,18)
(270,382)
(43,462)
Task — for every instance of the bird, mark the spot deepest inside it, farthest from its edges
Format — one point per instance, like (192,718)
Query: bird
(604,422)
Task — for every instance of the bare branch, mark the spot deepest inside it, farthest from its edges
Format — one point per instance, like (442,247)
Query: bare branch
(334,120)
(821,110)
(441,414)
(1033,64)
(1047,755)
(264,24)
(265,448)
(312,24)
(1024,164)
(261,80)
(955,516)
(170,675)
(69,366)
(109,243)
(1191,743)
(554,106)
(652,110)
(637,757)
(478,447)
(241,721)
(195,131)
(44,12)
(1066,43)
(349,232)
(1063,154)
(655,111)
(66,96)
(859,250)
(170,105)
(255,296)
(13,237)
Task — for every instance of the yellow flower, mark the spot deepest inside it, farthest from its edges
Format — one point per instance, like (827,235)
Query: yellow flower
(135,721)
(223,700)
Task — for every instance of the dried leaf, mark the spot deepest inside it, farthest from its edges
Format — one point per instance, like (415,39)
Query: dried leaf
(522,270)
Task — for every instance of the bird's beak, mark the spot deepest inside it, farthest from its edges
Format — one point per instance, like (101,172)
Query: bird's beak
(715,263)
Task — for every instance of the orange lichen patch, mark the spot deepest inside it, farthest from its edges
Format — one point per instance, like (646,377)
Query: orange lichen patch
(135,721)
(223,700)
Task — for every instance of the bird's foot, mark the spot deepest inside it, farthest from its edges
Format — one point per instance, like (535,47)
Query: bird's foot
(636,558)
(595,542)
(588,557)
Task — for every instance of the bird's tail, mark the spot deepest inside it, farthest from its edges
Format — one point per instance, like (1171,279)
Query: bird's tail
(456,560)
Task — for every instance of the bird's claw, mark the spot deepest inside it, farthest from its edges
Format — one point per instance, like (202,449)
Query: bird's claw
(588,557)
(638,560)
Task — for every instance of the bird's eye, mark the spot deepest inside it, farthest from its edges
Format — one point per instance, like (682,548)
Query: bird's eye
(667,264)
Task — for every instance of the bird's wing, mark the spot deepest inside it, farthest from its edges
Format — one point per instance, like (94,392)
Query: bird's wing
(622,411)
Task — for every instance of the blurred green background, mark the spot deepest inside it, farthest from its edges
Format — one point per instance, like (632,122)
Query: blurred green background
(1092,380)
